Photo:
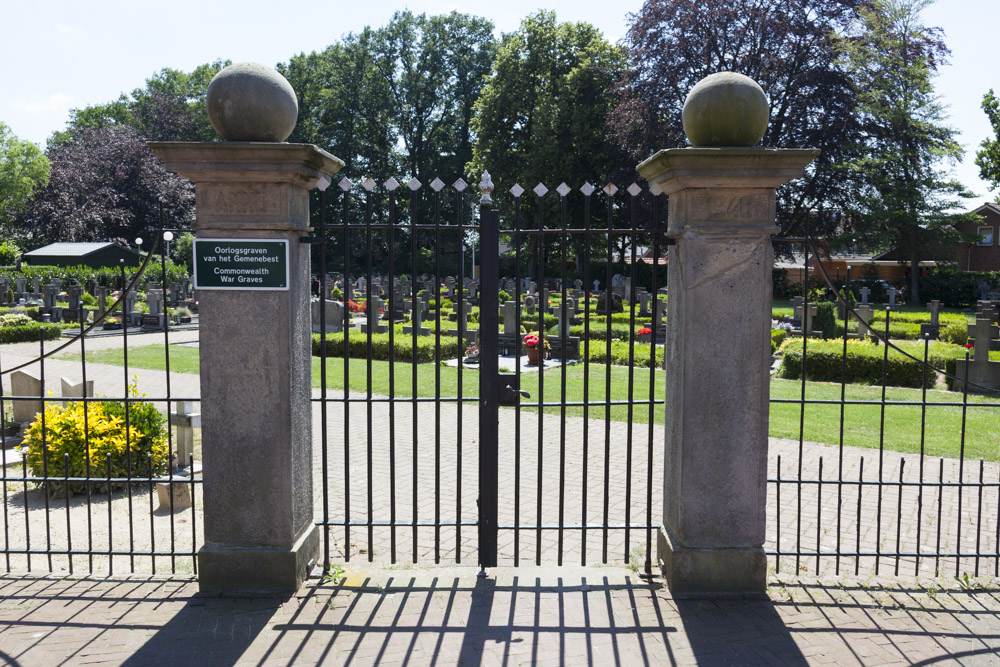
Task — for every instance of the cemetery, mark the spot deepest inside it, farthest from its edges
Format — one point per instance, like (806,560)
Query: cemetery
(294,403)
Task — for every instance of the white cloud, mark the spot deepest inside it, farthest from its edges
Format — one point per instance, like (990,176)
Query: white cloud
(66,28)
(52,102)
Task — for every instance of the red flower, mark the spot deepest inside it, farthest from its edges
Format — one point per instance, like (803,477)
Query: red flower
(645,331)
(531,340)
(968,346)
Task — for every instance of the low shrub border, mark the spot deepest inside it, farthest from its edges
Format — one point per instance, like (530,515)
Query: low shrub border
(864,361)
(29,333)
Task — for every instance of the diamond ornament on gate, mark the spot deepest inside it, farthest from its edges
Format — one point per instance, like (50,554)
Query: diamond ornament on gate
(437,184)
(563,189)
(610,189)
(517,191)
(634,189)
(587,189)
(391,184)
(414,184)
(460,185)
(345,184)
(368,183)
(540,189)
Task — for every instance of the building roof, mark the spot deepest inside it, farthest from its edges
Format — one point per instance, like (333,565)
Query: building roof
(990,206)
(73,249)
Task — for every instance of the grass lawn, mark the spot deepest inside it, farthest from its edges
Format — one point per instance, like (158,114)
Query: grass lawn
(901,433)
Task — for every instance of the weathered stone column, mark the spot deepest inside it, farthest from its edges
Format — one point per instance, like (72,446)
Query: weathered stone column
(721,216)
(255,348)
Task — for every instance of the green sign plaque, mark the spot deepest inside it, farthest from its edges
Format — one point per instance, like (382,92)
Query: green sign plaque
(241,264)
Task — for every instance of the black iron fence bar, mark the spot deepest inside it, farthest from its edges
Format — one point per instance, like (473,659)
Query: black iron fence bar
(324,453)
(45,442)
(529,232)
(840,435)
(382,523)
(543,302)
(437,373)
(587,201)
(392,378)
(37,479)
(802,394)
(631,377)
(581,526)
(652,383)
(808,553)
(489,389)
(887,402)
(923,431)
(517,355)
(373,317)
(3,460)
(475,399)
(887,482)
(564,346)
(460,237)
(609,298)
(348,293)
(56,551)
(413,376)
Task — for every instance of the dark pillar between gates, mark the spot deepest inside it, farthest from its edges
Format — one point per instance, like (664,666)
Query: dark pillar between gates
(721,216)
(254,337)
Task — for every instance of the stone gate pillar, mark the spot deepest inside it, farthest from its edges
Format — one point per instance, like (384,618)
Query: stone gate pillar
(252,273)
(721,217)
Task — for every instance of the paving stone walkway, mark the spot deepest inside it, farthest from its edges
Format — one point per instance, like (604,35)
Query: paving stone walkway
(566,616)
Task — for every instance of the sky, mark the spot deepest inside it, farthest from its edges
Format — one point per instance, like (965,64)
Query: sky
(56,55)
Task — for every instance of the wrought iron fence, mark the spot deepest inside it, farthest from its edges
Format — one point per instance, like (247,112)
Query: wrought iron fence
(434,466)
(860,505)
(80,511)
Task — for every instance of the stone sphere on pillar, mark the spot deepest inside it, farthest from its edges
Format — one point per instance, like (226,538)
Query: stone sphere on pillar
(725,109)
(251,102)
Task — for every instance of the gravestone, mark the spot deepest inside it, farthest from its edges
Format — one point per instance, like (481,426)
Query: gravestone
(102,300)
(335,312)
(864,292)
(644,299)
(616,303)
(154,320)
(132,317)
(25,384)
(373,321)
(70,390)
(529,304)
(807,321)
(417,319)
(893,292)
(865,315)
(565,313)
(597,286)
(462,330)
(982,373)
(932,330)
(507,340)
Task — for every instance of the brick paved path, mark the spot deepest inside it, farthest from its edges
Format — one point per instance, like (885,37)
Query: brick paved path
(570,616)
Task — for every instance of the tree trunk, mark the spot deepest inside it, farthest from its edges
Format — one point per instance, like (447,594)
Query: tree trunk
(914,299)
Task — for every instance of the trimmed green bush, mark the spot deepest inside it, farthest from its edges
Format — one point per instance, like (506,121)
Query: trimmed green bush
(826,319)
(402,346)
(778,337)
(864,362)
(620,351)
(600,331)
(29,333)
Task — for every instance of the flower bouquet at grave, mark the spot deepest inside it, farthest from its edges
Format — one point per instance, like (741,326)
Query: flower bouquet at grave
(643,334)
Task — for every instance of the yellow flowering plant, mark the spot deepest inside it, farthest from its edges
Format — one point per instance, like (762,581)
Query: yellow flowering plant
(96,433)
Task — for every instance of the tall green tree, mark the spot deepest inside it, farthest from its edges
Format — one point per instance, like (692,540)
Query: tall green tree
(904,197)
(540,117)
(24,170)
(988,155)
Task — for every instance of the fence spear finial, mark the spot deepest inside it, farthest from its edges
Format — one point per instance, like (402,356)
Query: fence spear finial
(486,187)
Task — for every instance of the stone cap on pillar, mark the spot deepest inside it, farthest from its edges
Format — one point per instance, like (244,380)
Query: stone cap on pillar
(250,185)
(304,165)
(681,168)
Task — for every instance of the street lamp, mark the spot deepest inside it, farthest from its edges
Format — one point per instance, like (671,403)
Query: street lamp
(168,237)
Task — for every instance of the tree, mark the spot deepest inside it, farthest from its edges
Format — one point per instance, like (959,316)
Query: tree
(988,155)
(787,46)
(105,185)
(541,115)
(24,170)
(902,197)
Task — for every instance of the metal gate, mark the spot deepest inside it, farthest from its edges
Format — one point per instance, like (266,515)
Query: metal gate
(424,457)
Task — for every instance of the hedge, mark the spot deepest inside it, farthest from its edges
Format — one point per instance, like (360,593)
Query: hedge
(29,333)
(402,346)
(80,273)
(778,337)
(620,350)
(824,362)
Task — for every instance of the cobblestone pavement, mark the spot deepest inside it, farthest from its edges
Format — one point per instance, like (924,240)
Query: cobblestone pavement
(568,616)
